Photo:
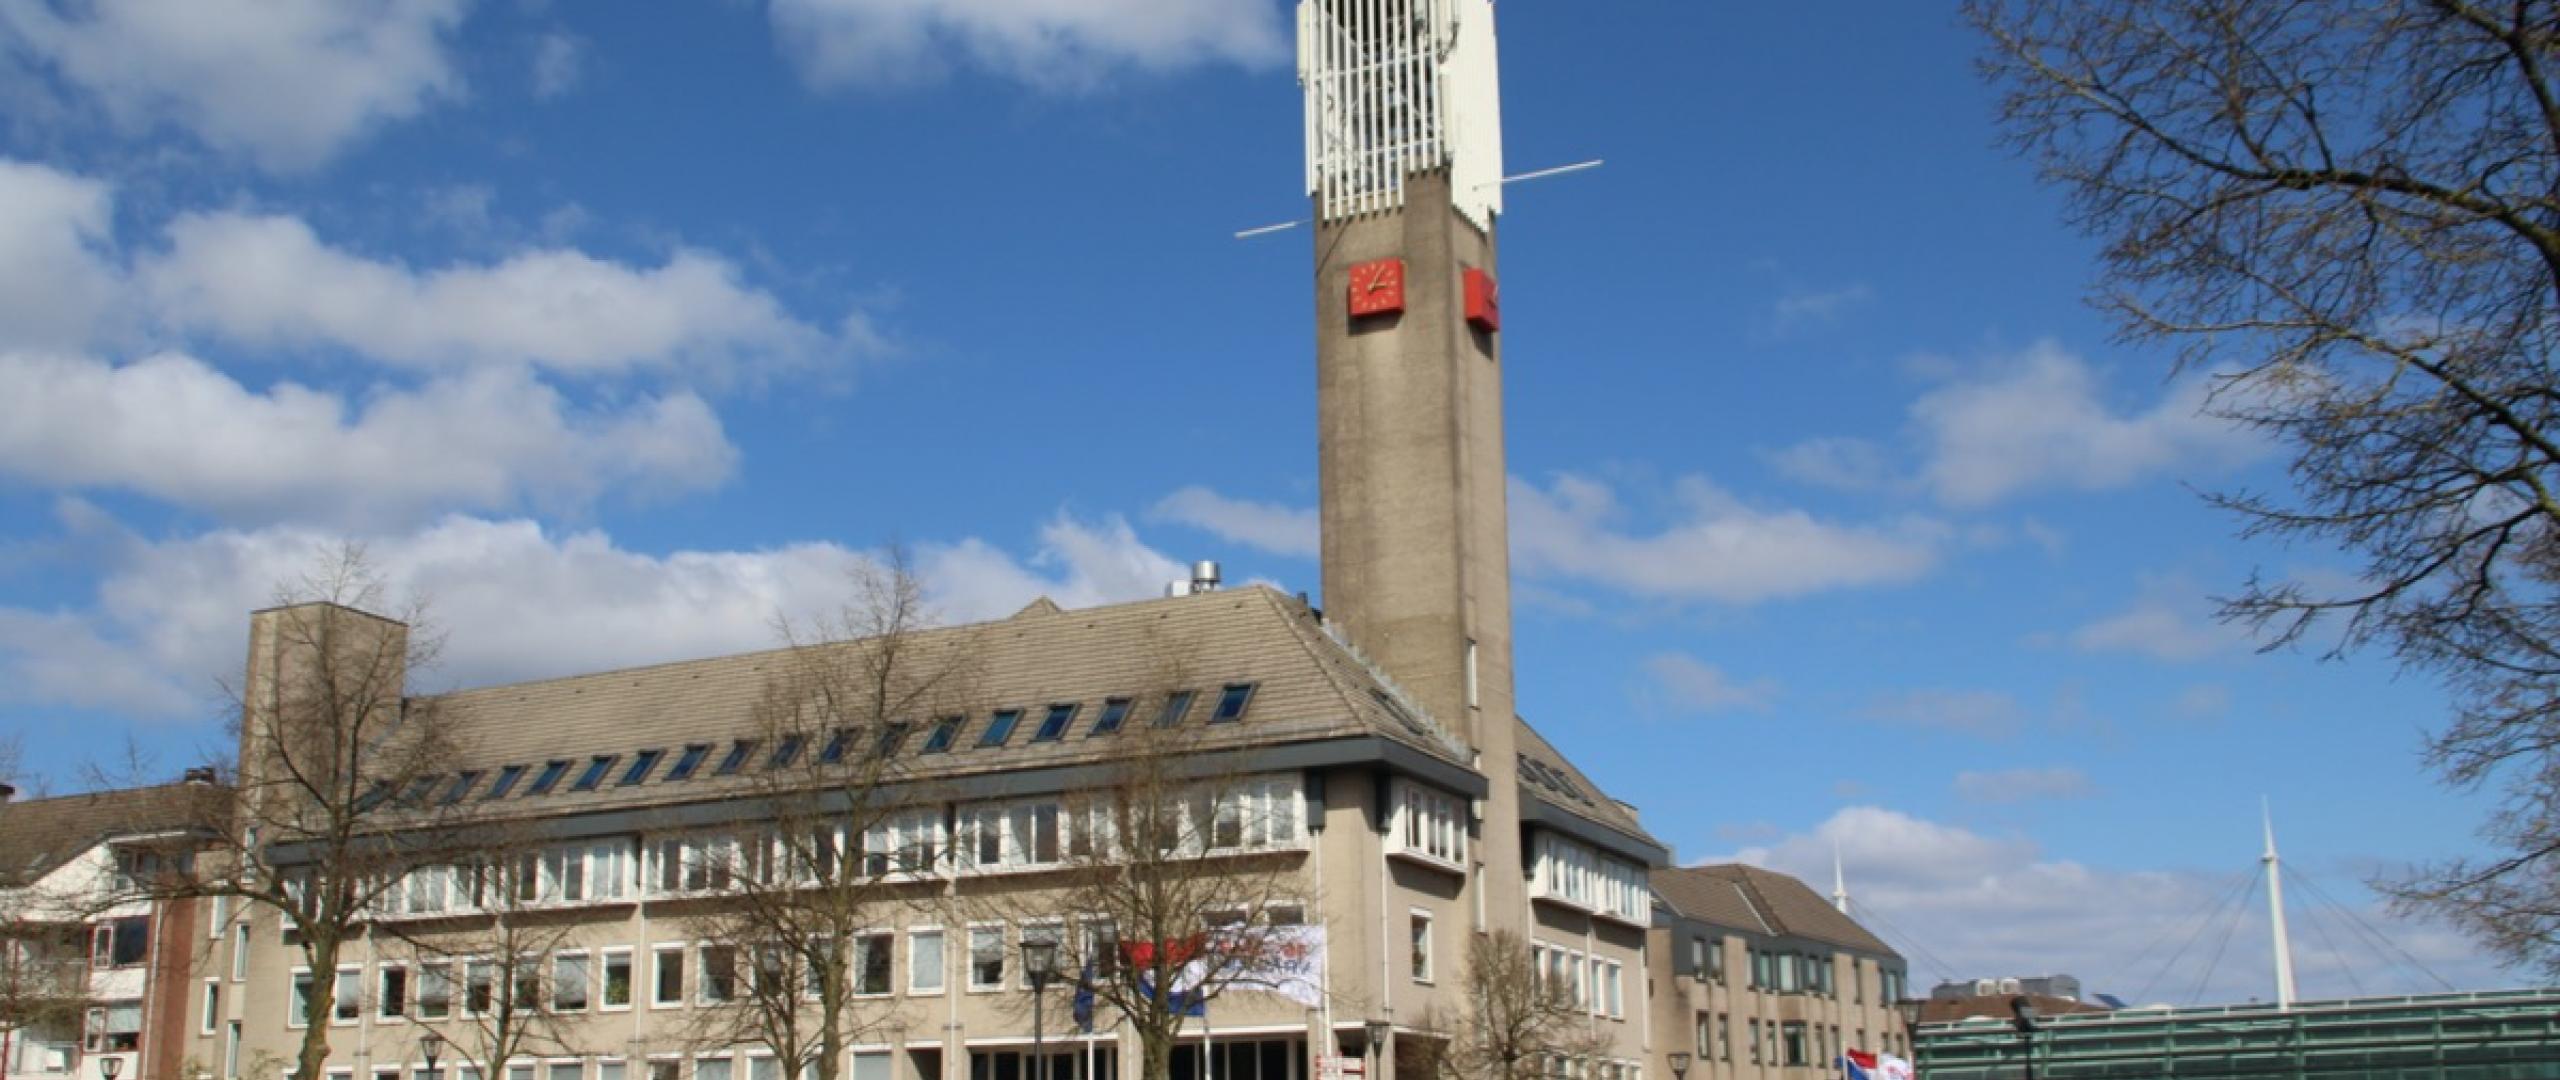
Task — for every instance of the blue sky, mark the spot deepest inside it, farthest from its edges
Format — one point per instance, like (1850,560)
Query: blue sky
(1839,518)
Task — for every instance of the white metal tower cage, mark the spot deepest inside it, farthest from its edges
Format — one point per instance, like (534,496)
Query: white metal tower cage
(1394,87)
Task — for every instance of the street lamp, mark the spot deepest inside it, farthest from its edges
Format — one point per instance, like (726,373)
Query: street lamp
(1040,964)
(109,1066)
(430,1047)
(1680,1065)
(2025,1011)
(1378,1031)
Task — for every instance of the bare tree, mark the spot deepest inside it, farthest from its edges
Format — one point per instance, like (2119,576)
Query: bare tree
(2349,215)
(1516,1024)
(339,785)
(484,936)
(1183,873)
(834,803)
(43,970)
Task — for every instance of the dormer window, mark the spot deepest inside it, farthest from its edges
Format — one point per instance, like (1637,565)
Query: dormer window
(1000,727)
(460,787)
(1176,705)
(1115,712)
(505,782)
(838,745)
(945,732)
(690,763)
(552,771)
(892,737)
(736,758)
(641,764)
(598,767)
(1054,725)
(786,751)
(1231,703)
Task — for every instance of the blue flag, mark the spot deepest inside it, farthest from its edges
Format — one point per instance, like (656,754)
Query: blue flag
(1084,1001)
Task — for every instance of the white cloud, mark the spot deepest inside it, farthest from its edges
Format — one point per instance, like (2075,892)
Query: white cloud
(1804,306)
(1043,43)
(1686,684)
(175,429)
(268,281)
(1983,713)
(559,61)
(2023,785)
(288,83)
(517,601)
(2170,621)
(57,279)
(1719,550)
(1280,530)
(2041,421)
(1960,904)
(1839,463)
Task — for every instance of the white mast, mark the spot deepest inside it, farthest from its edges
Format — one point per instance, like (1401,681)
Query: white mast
(1839,881)
(2275,911)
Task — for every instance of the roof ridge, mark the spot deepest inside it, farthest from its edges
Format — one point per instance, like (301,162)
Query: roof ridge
(101,793)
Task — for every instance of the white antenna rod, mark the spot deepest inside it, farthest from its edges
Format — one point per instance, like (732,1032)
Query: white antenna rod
(2275,910)
(1839,881)
(1539,174)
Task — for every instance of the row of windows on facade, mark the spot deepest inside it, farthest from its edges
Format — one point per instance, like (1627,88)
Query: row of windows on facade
(1259,813)
(1583,980)
(1056,723)
(1785,1042)
(1230,1059)
(719,1065)
(1575,873)
(700,973)
(1563,1067)
(1795,972)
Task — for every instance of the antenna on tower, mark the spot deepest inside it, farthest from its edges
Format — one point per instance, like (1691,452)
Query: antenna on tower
(1534,174)
(2275,909)
(1839,880)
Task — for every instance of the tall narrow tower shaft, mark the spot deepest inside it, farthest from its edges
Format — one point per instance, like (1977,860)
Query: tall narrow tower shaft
(2275,912)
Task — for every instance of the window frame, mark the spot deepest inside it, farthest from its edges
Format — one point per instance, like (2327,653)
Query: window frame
(1422,928)
(941,967)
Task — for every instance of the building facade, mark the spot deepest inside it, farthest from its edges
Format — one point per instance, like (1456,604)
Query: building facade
(94,974)
(1761,979)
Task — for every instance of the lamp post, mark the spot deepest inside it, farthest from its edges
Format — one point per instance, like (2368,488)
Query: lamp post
(1039,964)
(1377,1031)
(2025,1011)
(109,1066)
(431,1047)
(1679,1065)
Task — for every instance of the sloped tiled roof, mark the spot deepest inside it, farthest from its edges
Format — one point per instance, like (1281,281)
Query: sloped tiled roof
(1307,687)
(1751,898)
(1546,775)
(37,836)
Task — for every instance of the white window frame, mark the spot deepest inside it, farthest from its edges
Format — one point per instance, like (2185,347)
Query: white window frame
(586,960)
(658,954)
(209,1012)
(1055,929)
(240,951)
(970,962)
(631,983)
(853,963)
(941,968)
(381,998)
(1429,952)
(1429,826)
(339,1014)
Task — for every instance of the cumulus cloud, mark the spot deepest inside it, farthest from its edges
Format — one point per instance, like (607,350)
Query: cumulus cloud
(287,83)
(1719,549)
(173,428)
(1804,307)
(1042,43)
(559,61)
(519,601)
(2042,421)
(2171,621)
(270,281)
(56,275)
(2023,785)
(1280,530)
(1961,904)
(1685,684)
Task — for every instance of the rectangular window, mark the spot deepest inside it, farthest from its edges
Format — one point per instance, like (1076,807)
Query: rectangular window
(945,732)
(719,980)
(120,942)
(391,992)
(212,1015)
(1000,727)
(1054,725)
(349,1005)
(1715,960)
(569,982)
(1232,700)
(711,1068)
(667,986)
(617,979)
(924,961)
(435,991)
(611,1070)
(506,782)
(460,787)
(1421,946)
(986,958)
(837,745)
(785,751)
(1055,933)
(1115,712)
(567,1070)
(689,762)
(240,951)
(870,963)
(736,758)
(300,1000)
(598,767)
(1792,1045)
(552,771)
(1176,705)
(479,988)
(1430,824)
(892,738)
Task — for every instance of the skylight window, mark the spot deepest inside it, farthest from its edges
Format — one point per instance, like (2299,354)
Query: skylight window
(736,758)
(945,732)
(641,763)
(690,763)
(419,789)
(892,737)
(1001,727)
(1115,711)
(506,782)
(1054,726)
(552,771)
(786,751)
(836,746)
(461,786)
(1176,704)
(1231,702)
(598,767)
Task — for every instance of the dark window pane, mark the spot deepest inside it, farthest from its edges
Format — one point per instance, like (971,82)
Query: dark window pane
(1114,712)
(598,767)
(1231,703)
(737,757)
(836,746)
(691,762)
(945,731)
(641,763)
(891,738)
(1000,728)
(461,786)
(552,771)
(1054,725)
(786,752)
(1176,704)
(506,781)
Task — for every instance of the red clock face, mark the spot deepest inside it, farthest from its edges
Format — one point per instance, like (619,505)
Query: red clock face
(1484,301)
(1377,287)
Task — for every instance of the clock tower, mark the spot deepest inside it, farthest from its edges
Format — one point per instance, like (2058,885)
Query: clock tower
(1404,164)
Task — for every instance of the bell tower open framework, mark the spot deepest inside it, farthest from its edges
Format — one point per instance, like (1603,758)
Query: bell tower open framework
(1404,163)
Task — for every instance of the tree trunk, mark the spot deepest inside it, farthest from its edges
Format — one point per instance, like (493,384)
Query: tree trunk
(313,1061)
